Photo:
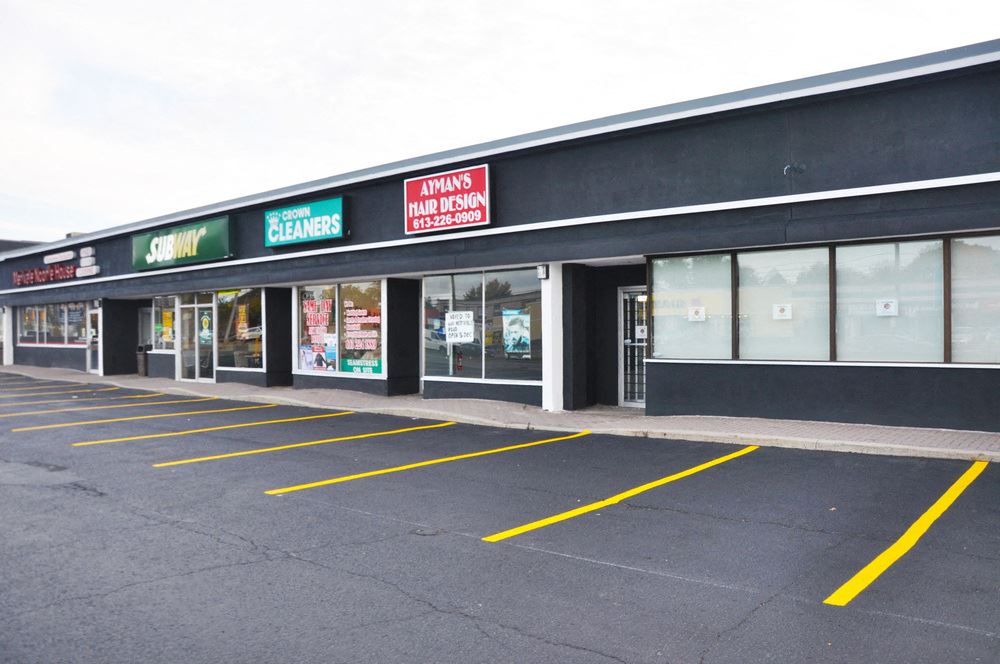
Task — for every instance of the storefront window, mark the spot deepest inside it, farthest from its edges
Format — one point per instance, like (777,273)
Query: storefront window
(975,292)
(890,302)
(163,323)
(784,302)
(317,328)
(54,324)
(462,354)
(513,325)
(241,329)
(27,325)
(692,307)
(463,325)
(76,323)
(361,321)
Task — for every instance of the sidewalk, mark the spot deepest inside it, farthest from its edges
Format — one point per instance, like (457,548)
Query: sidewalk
(860,438)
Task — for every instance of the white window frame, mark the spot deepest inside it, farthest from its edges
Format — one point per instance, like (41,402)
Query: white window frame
(263,333)
(383,327)
(482,310)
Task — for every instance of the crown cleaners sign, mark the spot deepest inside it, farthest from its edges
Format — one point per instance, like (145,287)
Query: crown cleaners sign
(309,222)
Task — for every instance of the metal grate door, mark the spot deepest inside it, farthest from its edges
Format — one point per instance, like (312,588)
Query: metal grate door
(634,333)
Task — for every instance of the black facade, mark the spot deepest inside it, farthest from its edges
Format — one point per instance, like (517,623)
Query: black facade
(835,159)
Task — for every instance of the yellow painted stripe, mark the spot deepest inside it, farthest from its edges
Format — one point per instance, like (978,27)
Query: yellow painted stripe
(421,464)
(45,394)
(79,400)
(617,498)
(279,448)
(142,417)
(857,583)
(4,386)
(43,385)
(126,405)
(206,430)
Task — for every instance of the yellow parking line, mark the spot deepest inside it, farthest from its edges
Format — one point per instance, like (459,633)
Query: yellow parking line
(264,450)
(79,400)
(857,583)
(44,384)
(126,405)
(34,383)
(219,428)
(143,417)
(46,394)
(617,498)
(421,464)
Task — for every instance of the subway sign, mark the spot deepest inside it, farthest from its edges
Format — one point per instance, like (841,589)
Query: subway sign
(182,245)
(309,222)
(456,199)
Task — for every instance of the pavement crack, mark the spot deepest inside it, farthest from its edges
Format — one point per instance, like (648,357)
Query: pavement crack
(135,584)
(760,605)
(476,621)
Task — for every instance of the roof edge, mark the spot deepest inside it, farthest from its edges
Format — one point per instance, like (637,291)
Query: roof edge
(894,70)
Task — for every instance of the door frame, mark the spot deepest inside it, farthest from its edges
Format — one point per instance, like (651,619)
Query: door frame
(178,316)
(99,369)
(620,341)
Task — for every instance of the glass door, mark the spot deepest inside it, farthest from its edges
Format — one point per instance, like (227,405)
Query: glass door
(189,354)
(633,333)
(94,341)
(197,337)
(206,343)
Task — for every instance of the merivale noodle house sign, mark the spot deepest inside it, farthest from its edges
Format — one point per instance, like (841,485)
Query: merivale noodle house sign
(456,199)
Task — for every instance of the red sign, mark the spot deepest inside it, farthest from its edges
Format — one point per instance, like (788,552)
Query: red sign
(456,199)
(42,275)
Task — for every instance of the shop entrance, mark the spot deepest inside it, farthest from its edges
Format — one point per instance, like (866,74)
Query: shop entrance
(197,337)
(633,335)
(94,341)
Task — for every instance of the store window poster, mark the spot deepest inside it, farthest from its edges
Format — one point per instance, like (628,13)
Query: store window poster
(320,353)
(516,333)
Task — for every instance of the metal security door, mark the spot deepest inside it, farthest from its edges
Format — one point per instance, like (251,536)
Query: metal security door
(633,333)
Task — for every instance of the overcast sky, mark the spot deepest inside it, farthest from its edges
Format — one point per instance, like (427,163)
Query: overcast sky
(117,111)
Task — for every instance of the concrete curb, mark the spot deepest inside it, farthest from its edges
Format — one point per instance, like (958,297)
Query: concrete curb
(698,435)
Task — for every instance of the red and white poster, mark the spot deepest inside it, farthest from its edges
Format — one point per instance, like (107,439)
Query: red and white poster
(456,199)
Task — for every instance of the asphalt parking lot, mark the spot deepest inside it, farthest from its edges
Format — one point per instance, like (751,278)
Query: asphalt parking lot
(150,527)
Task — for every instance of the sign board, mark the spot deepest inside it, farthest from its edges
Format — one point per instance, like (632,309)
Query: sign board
(459,327)
(205,331)
(455,199)
(781,312)
(888,307)
(182,245)
(641,332)
(60,257)
(242,321)
(309,222)
(44,275)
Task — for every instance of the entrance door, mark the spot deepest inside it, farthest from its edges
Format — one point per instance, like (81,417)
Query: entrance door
(197,340)
(94,341)
(206,343)
(633,334)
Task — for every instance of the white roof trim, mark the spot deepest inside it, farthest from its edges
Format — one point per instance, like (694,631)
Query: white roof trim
(547,225)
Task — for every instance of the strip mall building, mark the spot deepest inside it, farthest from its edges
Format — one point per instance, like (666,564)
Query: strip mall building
(824,249)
